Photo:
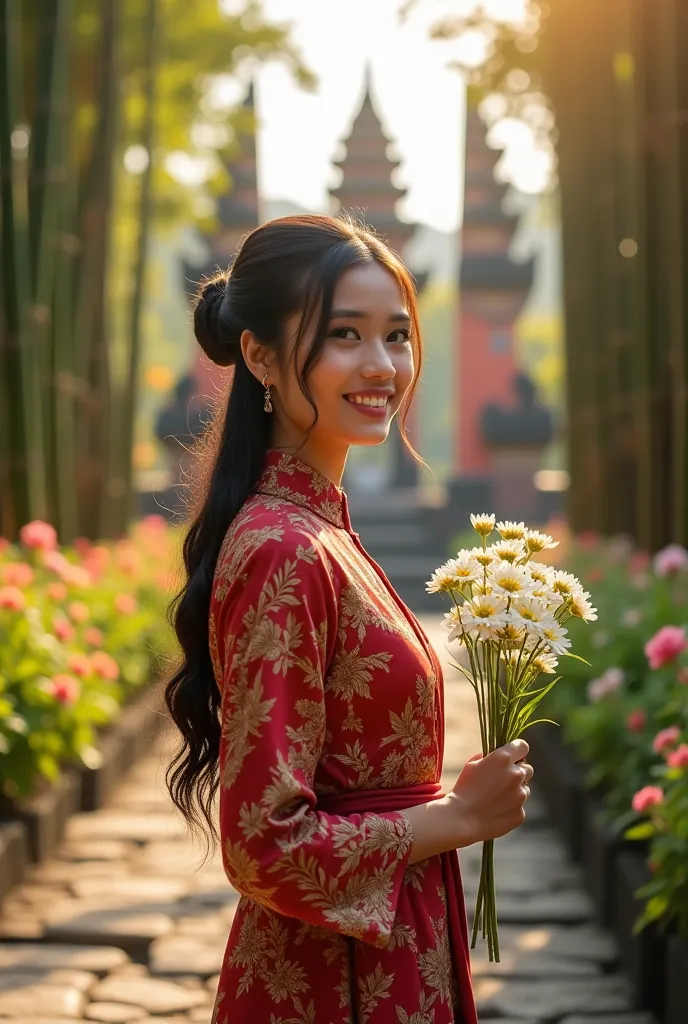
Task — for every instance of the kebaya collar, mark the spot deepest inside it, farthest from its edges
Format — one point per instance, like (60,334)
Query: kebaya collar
(287,477)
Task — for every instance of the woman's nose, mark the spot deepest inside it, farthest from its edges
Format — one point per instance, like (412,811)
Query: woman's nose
(378,363)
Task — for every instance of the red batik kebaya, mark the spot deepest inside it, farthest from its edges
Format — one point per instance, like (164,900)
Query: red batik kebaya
(332,722)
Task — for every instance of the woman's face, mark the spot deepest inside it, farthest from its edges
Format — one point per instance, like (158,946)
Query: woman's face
(364,370)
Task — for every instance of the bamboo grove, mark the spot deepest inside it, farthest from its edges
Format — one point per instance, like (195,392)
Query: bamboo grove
(617,75)
(81,81)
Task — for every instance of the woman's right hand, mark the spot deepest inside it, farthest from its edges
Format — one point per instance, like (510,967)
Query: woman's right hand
(487,800)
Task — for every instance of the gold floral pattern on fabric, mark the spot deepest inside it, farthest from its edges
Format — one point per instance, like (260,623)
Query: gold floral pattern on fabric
(328,685)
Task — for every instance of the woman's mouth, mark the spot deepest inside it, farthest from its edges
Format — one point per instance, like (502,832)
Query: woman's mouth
(369,405)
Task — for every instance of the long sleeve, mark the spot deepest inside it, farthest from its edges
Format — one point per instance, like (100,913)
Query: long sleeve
(276,625)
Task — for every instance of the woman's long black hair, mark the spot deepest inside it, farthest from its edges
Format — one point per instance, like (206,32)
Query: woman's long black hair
(285,266)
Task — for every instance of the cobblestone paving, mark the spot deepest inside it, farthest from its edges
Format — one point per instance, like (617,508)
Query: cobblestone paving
(124,927)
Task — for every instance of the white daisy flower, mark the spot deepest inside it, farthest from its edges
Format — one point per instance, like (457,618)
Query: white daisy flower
(565,583)
(555,636)
(452,622)
(533,614)
(581,607)
(536,541)
(484,615)
(509,579)
(545,662)
(508,550)
(511,635)
(511,531)
(484,557)
(483,524)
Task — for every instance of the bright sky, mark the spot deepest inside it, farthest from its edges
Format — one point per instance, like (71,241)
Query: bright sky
(420,100)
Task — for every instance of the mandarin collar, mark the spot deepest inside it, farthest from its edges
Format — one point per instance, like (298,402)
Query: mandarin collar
(284,476)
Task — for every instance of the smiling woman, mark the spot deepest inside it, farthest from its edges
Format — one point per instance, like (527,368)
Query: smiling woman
(309,699)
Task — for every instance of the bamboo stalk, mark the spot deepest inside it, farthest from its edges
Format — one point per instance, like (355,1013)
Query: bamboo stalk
(125,420)
(91,323)
(23,449)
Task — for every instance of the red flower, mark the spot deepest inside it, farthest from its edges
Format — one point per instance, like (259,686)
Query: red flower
(64,688)
(665,738)
(82,546)
(17,574)
(646,798)
(39,535)
(636,721)
(56,591)
(12,598)
(63,630)
(678,758)
(665,646)
(104,666)
(79,664)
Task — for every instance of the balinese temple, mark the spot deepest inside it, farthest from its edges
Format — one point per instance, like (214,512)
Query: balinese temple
(367,191)
(500,429)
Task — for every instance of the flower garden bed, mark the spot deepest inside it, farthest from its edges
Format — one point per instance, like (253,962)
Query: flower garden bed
(83,632)
(618,768)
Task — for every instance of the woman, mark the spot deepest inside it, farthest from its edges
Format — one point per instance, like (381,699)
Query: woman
(309,695)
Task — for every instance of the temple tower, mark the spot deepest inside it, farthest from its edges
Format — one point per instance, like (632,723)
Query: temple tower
(367,191)
(500,429)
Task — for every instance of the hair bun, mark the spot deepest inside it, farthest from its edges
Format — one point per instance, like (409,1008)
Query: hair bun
(211,326)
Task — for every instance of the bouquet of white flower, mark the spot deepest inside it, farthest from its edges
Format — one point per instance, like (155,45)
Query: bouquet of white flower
(509,614)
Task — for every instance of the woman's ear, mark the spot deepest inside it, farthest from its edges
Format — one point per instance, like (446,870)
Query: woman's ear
(258,357)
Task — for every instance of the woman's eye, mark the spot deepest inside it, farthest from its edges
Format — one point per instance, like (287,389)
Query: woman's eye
(400,337)
(347,333)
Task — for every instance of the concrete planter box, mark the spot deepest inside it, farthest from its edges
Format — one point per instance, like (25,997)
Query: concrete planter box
(31,829)
(559,779)
(677,981)
(643,956)
(601,846)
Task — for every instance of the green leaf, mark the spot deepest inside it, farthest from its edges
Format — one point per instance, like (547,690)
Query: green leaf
(576,657)
(644,830)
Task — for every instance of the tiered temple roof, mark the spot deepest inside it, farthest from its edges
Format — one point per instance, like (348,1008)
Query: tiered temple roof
(367,190)
(487,228)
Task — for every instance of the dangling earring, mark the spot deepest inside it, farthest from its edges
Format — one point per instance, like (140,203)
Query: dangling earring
(267,405)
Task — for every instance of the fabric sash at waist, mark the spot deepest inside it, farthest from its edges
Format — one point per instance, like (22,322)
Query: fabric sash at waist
(381,801)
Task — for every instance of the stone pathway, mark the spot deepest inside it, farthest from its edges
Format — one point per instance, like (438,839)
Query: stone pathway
(124,926)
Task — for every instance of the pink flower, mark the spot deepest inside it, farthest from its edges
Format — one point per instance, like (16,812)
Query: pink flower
(671,559)
(76,576)
(78,611)
(665,738)
(127,557)
(678,758)
(93,636)
(56,591)
(82,545)
(638,561)
(608,683)
(55,561)
(665,645)
(154,523)
(588,539)
(4,544)
(64,688)
(63,630)
(17,574)
(646,798)
(39,535)
(636,721)
(96,561)
(79,664)
(126,604)
(12,598)
(104,666)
